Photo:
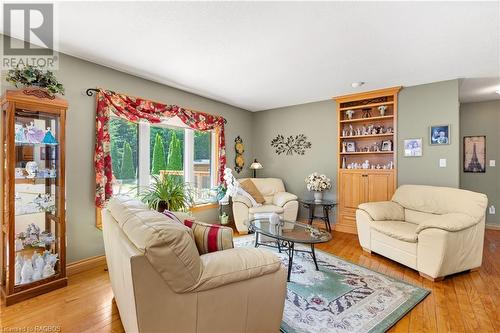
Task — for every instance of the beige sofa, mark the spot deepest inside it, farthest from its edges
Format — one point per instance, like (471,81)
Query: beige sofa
(435,230)
(277,200)
(162,284)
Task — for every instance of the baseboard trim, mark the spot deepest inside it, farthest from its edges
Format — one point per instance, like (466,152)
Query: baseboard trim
(493,226)
(85,265)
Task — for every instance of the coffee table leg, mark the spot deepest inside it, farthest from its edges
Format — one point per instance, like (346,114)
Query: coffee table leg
(326,210)
(256,239)
(314,256)
(290,259)
(279,245)
(311,213)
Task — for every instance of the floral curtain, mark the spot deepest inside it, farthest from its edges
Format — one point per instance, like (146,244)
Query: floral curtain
(135,109)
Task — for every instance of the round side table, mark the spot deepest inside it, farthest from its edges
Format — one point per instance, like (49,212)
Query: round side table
(327,206)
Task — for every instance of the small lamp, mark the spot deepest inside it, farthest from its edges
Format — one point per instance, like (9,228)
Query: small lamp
(254,166)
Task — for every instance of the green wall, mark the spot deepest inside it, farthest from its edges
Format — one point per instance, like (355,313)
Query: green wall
(420,107)
(84,240)
(483,119)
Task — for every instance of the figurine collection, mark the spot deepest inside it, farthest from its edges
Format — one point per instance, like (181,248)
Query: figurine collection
(39,266)
(366,130)
(29,133)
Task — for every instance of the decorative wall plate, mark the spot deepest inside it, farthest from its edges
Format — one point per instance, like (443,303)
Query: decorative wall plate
(239,160)
(293,144)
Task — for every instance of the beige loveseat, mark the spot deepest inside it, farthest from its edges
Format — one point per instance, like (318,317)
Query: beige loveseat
(435,230)
(162,284)
(277,200)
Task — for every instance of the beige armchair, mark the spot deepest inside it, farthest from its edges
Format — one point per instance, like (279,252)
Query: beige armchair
(436,230)
(162,284)
(277,200)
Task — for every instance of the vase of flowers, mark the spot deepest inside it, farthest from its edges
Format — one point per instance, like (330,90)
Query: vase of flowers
(318,184)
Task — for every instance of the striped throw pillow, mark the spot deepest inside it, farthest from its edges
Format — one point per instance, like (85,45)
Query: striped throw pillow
(210,237)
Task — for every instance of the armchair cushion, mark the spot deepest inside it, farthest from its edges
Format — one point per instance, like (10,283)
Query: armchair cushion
(449,222)
(251,189)
(266,209)
(244,200)
(281,198)
(384,210)
(404,231)
(221,268)
(210,237)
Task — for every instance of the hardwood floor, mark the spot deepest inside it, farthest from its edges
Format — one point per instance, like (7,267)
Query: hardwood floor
(465,302)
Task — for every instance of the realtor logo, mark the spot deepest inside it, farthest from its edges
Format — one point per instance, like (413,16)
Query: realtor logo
(33,23)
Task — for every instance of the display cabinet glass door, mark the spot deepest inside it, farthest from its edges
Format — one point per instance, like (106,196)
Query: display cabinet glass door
(36,197)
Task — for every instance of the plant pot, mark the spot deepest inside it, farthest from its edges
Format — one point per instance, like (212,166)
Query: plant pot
(162,206)
(318,196)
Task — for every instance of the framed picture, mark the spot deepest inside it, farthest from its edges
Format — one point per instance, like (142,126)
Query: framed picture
(439,135)
(350,146)
(413,147)
(475,154)
(386,145)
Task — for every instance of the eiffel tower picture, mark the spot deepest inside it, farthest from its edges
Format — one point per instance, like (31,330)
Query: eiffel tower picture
(474,164)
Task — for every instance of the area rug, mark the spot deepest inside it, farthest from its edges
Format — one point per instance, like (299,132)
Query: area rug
(341,296)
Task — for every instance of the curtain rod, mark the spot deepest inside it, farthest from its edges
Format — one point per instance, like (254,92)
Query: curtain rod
(91,91)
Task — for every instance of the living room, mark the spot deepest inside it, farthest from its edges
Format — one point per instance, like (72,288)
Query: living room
(337,161)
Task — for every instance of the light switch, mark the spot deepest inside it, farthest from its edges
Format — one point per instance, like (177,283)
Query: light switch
(492,163)
(442,162)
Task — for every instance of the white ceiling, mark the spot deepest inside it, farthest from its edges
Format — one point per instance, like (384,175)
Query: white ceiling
(262,55)
(479,89)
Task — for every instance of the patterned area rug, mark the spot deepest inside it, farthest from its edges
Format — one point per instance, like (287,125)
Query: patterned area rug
(341,296)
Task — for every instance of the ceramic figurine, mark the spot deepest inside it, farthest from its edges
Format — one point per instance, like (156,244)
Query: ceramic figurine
(351,130)
(49,138)
(349,114)
(37,275)
(52,259)
(17,273)
(33,134)
(19,259)
(27,271)
(382,109)
(18,244)
(366,164)
(34,257)
(39,264)
(48,271)
(344,162)
(31,168)
(20,137)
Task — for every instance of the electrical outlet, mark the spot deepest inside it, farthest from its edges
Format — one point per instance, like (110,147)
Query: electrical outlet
(492,210)
(442,162)
(492,163)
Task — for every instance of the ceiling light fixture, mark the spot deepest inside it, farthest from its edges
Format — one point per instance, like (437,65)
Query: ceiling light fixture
(357,84)
(497,91)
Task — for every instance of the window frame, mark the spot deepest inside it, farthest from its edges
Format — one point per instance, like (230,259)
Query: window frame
(144,161)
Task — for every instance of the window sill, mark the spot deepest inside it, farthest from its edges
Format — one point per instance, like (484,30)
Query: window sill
(205,206)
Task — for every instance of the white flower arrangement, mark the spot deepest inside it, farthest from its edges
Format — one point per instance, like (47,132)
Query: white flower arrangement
(317,182)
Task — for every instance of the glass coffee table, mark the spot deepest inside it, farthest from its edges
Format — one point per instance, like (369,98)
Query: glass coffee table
(286,234)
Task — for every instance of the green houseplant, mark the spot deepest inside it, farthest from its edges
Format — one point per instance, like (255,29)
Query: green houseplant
(33,76)
(167,192)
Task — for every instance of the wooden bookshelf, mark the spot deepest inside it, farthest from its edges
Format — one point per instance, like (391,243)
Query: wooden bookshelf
(365,130)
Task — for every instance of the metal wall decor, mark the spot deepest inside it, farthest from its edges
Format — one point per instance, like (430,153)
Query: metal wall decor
(239,160)
(290,145)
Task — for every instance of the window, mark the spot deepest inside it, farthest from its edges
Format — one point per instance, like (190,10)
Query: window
(124,157)
(166,148)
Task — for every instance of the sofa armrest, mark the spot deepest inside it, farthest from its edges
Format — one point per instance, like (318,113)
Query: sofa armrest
(233,265)
(281,198)
(448,222)
(243,200)
(383,210)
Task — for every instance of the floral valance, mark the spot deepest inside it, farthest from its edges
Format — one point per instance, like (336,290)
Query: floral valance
(136,109)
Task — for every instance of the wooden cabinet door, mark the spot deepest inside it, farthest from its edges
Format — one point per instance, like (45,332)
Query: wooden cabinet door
(380,186)
(352,189)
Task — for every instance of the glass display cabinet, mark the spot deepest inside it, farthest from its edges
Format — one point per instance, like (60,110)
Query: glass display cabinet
(33,196)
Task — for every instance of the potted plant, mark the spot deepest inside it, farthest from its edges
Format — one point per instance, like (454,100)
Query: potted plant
(318,183)
(31,76)
(167,192)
